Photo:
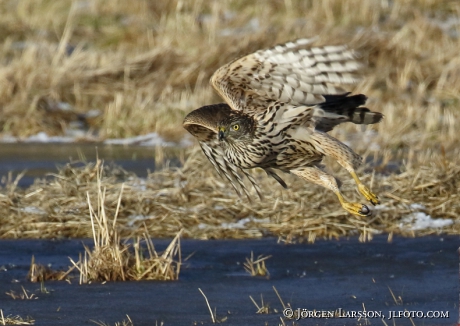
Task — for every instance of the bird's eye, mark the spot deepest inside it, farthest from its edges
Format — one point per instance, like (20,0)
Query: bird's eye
(236,127)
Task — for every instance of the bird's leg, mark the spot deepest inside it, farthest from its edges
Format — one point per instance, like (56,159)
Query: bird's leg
(348,159)
(319,177)
(365,191)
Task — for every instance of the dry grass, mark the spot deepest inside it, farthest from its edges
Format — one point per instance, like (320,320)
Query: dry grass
(263,308)
(15,320)
(145,65)
(195,200)
(257,267)
(214,318)
(21,296)
(127,322)
(112,260)
(41,273)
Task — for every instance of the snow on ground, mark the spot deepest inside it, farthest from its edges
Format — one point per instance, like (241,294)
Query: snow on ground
(135,218)
(41,137)
(241,224)
(151,139)
(32,210)
(418,220)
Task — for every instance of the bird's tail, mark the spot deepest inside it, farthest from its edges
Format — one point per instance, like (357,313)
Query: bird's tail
(343,108)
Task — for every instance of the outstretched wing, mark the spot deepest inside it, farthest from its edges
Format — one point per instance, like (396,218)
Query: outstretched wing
(293,73)
(202,123)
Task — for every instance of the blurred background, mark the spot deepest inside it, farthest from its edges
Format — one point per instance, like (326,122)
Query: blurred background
(118,70)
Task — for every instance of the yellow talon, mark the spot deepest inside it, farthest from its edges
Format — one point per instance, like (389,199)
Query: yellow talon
(356,209)
(353,208)
(371,197)
(365,191)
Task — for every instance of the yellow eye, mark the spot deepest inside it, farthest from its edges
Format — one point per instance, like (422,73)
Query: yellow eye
(236,127)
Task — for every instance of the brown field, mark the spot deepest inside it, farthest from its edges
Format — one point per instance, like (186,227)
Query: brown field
(144,65)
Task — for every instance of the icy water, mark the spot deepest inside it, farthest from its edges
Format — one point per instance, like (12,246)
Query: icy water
(422,274)
(40,159)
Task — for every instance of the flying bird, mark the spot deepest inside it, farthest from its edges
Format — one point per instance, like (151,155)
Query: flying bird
(280,104)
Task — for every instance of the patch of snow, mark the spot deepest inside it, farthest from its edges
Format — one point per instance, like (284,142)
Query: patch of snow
(187,141)
(448,25)
(75,134)
(32,210)
(42,137)
(202,226)
(416,206)
(138,183)
(93,113)
(8,139)
(235,225)
(134,218)
(64,106)
(374,147)
(381,207)
(151,139)
(74,131)
(421,221)
(241,224)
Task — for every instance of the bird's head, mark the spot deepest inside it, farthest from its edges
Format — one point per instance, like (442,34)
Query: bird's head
(236,128)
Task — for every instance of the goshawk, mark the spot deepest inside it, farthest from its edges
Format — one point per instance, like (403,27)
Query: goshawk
(280,104)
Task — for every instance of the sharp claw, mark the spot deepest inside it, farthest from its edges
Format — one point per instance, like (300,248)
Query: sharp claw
(357,209)
(375,201)
(371,197)
(365,210)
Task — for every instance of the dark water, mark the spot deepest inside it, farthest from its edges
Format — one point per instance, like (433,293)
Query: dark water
(422,273)
(40,159)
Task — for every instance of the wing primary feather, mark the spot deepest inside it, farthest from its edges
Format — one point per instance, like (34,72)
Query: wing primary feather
(247,84)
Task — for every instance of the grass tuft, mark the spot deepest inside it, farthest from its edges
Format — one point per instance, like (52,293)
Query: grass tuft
(256,267)
(264,308)
(21,296)
(112,260)
(15,320)
(127,322)
(41,273)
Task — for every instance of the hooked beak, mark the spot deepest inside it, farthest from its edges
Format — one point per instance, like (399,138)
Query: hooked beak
(221,133)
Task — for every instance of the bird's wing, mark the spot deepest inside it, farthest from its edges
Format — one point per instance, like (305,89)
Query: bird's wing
(202,123)
(294,73)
